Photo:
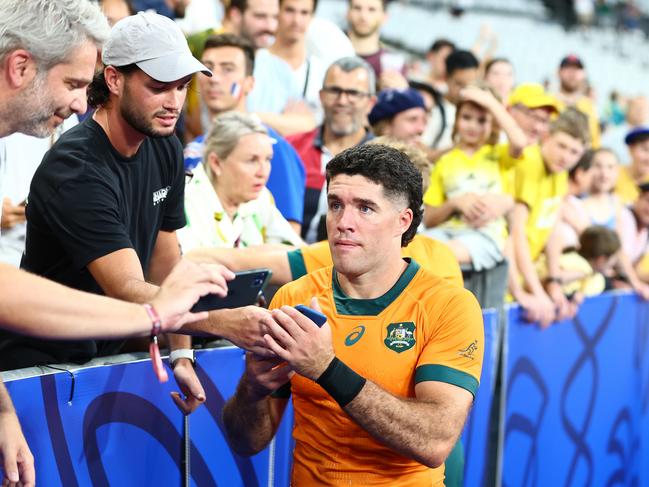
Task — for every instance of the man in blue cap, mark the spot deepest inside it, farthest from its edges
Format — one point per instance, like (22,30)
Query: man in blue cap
(400,114)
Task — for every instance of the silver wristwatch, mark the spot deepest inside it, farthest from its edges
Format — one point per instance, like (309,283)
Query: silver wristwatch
(187,353)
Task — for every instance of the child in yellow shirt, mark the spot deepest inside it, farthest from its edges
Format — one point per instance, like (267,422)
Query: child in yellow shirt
(466,200)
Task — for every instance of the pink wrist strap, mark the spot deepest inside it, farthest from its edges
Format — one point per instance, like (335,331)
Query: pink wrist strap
(156,322)
(154,350)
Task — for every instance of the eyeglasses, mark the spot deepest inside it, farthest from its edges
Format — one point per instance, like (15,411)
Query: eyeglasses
(537,117)
(334,92)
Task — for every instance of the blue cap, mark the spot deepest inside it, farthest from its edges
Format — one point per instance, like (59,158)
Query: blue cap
(393,102)
(636,133)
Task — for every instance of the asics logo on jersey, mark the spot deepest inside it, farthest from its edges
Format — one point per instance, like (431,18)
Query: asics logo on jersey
(355,335)
(160,195)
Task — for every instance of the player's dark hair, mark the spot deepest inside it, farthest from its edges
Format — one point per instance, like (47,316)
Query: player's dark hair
(388,167)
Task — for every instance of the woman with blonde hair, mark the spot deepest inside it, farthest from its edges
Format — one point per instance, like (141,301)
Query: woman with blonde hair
(227,203)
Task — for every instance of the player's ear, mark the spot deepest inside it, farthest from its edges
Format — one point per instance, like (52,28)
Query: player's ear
(405,220)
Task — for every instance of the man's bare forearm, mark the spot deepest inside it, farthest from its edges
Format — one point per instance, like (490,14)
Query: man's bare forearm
(137,291)
(34,306)
(436,215)
(273,256)
(425,431)
(248,421)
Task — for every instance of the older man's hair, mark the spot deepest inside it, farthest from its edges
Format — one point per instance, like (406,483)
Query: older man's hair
(351,63)
(50,30)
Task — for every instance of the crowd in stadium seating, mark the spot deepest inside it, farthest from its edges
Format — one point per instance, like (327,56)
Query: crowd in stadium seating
(514,173)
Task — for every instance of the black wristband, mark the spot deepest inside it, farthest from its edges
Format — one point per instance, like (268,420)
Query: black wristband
(341,382)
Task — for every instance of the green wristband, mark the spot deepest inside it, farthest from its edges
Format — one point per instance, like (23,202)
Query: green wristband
(341,382)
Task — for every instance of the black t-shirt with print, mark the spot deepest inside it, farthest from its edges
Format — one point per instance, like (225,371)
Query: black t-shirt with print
(86,201)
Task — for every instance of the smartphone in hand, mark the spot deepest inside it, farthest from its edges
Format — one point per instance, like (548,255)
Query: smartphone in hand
(242,291)
(315,316)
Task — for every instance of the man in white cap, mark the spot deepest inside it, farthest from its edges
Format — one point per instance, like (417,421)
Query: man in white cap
(107,199)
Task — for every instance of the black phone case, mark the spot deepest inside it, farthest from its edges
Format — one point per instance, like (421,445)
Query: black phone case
(242,291)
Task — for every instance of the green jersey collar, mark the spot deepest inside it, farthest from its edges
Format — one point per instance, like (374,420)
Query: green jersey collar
(372,307)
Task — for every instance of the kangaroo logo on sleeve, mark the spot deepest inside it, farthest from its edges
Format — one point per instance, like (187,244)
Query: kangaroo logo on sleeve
(470,350)
(401,336)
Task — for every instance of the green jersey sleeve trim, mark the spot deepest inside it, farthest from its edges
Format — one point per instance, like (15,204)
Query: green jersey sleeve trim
(442,373)
(296,263)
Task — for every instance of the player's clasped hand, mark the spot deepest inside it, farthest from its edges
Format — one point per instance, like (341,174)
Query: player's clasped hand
(265,375)
(296,339)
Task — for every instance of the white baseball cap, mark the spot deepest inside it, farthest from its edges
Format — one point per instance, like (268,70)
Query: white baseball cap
(155,44)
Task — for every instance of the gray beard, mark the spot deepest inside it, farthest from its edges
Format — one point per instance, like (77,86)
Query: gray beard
(32,110)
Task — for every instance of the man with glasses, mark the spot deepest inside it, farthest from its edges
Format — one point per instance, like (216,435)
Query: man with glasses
(532,108)
(347,96)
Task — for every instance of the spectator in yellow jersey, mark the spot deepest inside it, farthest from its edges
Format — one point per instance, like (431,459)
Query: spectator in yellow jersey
(382,390)
(540,184)
(466,201)
(532,108)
